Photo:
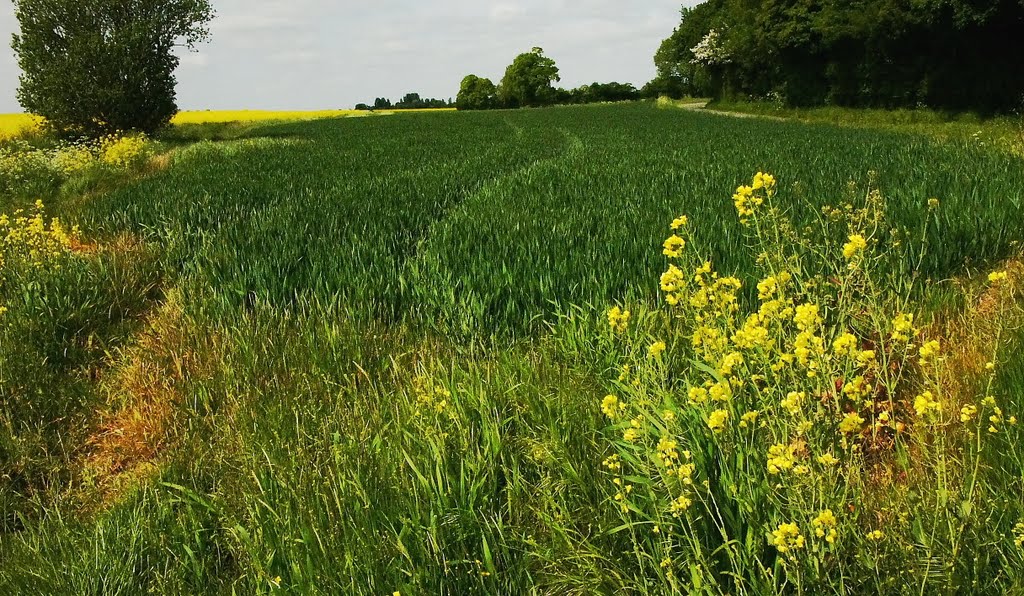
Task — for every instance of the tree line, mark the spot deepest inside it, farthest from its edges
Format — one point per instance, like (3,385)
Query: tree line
(411,101)
(945,54)
(529,82)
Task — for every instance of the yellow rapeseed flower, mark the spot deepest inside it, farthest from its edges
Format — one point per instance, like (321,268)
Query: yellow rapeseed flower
(717,420)
(845,345)
(997,277)
(968,413)
(828,460)
(825,526)
(793,401)
(856,245)
(787,537)
(657,349)
(674,247)
(781,458)
(903,328)
(852,423)
(926,403)
(612,407)
(807,317)
(680,222)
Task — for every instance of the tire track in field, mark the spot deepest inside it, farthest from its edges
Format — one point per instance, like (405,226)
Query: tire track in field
(438,292)
(573,147)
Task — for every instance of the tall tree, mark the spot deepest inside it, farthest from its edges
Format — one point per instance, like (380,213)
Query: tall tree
(92,67)
(529,81)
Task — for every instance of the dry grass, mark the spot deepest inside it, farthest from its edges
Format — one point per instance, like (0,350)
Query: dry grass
(969,337)
(143,390)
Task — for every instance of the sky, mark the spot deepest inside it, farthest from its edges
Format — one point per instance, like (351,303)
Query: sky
(323,54)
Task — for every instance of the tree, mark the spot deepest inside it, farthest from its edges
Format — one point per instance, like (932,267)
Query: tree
(92,67)
(528,81)
(476,93)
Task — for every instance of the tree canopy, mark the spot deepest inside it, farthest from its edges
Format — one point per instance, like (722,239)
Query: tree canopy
(477,93)
(529,81)
(947,54)
(92,67)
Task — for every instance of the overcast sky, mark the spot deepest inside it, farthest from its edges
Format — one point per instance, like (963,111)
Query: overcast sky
(319,54)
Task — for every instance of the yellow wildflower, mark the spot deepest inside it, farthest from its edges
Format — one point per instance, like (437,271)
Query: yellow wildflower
(845,345)
(680,222)
(781,457)
(667,453)
(618,319)
(698,395)
(807,317)
(672,280)
(852,423)
(926,403)
(749,418)
(657,349)
(787,537)
(968,413)
(717,420)
(903,328)
(680,505)
(793,401)
(997,277)
(825,526)
(929,351)
(674,247)
(876,535)
(612,407)
(729,362)
(721,391)
(854,247)
(828,460)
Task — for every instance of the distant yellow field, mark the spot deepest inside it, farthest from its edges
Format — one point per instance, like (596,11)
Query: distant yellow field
(12,125)
(206,117)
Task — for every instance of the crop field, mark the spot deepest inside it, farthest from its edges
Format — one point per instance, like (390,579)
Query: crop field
(372,355)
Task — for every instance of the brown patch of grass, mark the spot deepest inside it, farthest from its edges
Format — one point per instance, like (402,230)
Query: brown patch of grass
(969,340)
(143,391)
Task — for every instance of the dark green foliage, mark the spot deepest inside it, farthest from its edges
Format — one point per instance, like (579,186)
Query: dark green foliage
(477,93)
(947,54)
(92,67)
(528,81)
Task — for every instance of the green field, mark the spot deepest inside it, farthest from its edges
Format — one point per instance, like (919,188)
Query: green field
(368,355)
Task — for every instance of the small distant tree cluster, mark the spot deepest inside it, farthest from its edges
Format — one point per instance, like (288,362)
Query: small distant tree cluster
(529,82)
(411,101)
(93,67)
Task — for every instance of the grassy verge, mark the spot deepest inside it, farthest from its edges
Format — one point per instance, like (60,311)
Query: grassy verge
(1005,132)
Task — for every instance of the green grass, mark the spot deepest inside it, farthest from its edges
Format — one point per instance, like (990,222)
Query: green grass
(324,267)
(1005,132)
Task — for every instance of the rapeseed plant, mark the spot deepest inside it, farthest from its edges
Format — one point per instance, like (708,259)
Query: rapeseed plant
(787,409)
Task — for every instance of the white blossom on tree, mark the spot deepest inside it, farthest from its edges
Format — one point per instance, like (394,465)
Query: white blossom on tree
(710,52)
